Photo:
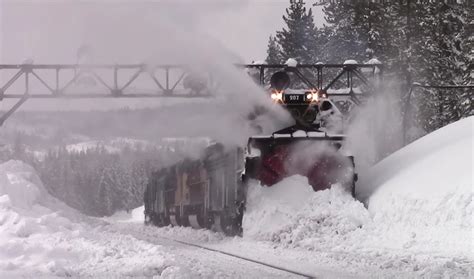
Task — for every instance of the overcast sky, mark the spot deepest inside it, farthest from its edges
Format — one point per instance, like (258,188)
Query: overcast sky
(51,31)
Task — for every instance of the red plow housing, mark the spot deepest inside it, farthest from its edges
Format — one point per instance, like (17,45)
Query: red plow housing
(317,158)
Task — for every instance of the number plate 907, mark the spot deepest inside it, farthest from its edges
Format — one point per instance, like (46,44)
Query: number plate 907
(294,98)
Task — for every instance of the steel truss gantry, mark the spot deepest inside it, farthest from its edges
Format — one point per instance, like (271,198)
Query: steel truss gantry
(81,81)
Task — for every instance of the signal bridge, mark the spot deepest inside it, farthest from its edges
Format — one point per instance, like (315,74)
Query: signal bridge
(80,81)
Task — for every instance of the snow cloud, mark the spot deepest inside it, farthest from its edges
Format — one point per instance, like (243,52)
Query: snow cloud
(375,132)
(156,32)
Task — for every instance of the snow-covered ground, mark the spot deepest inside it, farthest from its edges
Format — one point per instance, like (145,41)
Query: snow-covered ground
(418,223)
(419,219)
(40,236)
(425,192)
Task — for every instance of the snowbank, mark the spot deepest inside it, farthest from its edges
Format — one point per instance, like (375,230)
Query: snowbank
(40,236)
(419,221)
(428,187)
(20,185)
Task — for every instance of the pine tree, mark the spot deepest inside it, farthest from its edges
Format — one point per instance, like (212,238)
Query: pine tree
(418,41)
(358,30)
(274,55)
(298,39)
(343,36)
(439,54)
(467,57)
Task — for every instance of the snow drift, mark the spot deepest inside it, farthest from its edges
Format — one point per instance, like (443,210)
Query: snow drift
(419,220)
(428,186)
(40,236)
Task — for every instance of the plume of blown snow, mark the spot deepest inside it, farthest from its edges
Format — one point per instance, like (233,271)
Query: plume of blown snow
(374,133)
(157,33)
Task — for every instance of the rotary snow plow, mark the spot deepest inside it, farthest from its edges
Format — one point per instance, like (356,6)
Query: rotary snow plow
(312,146)
(210,192)
(280,156)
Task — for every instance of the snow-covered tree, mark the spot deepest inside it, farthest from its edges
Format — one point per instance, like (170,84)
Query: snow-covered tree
(418,41)
(343,37)
(274,53)
(439,53)
(298,39)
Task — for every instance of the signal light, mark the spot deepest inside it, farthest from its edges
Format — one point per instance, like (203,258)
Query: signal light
(280,80)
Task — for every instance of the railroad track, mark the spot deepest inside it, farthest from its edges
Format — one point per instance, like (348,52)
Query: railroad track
(224,263)
(289,271)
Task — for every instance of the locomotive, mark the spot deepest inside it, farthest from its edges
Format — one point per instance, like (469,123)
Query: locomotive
(210,192)
(204,193)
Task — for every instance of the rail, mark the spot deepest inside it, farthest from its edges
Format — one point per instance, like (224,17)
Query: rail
(301,274)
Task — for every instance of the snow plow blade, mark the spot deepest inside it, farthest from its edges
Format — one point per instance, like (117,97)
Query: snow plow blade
(315,155)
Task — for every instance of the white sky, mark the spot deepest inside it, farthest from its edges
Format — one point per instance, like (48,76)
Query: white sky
(134,31)
(51,31)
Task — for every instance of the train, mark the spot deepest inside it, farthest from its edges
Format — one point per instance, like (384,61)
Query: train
(210,192)
(204,193)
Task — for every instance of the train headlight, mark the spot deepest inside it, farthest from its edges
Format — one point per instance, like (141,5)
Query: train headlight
(277,96)
(312,96)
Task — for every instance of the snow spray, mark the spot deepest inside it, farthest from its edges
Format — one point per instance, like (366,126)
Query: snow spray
(155,33)
(375,132)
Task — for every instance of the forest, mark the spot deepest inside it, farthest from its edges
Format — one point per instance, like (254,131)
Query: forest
(425,42)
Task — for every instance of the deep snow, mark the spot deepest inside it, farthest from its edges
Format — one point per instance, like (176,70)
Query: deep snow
(40,236)
(428,188)
(418,224)
(418,220)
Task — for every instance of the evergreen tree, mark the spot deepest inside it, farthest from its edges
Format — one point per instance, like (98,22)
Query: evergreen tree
(343,37)
(439,54)
(298,39)
(274,55)
(423,41)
